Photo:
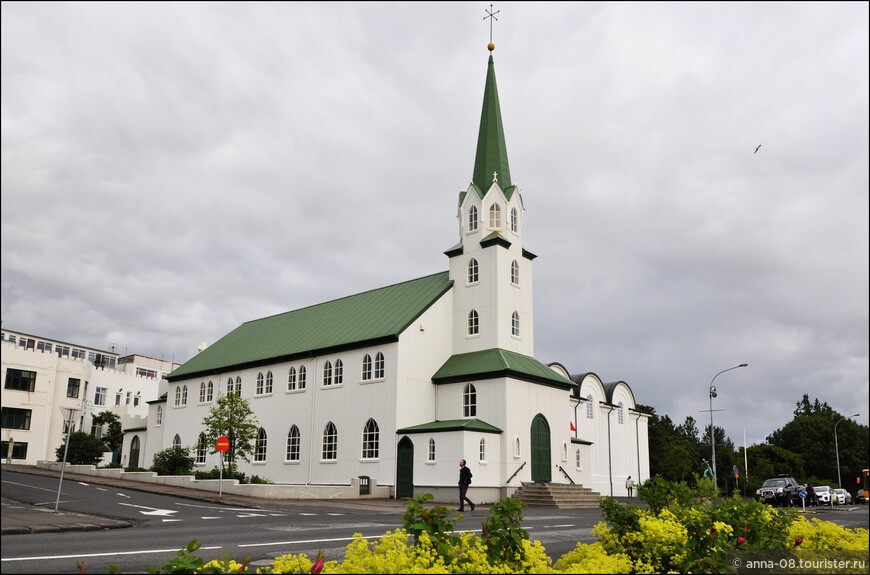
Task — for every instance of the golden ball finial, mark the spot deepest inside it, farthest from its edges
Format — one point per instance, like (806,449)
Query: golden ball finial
(490,46)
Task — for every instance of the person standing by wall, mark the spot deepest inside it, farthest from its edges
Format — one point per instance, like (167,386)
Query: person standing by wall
(629,485)
(464,482)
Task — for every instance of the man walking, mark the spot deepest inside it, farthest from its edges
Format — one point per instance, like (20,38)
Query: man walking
(464,482)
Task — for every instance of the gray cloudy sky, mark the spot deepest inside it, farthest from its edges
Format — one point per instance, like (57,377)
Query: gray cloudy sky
(171,170)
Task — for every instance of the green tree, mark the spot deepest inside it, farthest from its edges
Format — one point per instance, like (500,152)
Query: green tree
(672,453)
(174,460)
(113,436)
(84,449)
(232,416)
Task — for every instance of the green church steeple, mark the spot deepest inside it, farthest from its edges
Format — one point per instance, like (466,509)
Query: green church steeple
(491,155)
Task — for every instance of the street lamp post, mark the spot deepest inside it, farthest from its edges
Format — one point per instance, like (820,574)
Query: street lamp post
(712,434)
(837,447)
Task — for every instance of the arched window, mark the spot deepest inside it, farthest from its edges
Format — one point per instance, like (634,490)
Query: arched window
(159,415)
(339,372)
(269,381)
(514,220)
(370,440)
(260,447)
(472,219)
(590,413)
(367,368)
(379,366)
(294,440)
(239,386)
(515,324)
(201,449)
(230,386)
(473,271)
(515,273)
(202,392)
(329,449)
(564,451)
(469,401)
(473,323)
(495,217)
(176,441)
(483,449)
(183,395)
(302,374)
(577,458)
(620,414)
(177,396)
(260,383)
(431,450)
(327,373)
(209,394)
(291,379)
(517,447)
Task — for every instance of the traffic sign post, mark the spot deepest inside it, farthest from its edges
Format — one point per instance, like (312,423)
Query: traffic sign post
(222,445)
(803,495)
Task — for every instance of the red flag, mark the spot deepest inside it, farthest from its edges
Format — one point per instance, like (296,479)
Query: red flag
(571,423)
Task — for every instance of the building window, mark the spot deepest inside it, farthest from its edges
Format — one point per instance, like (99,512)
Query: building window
(230,386)
(367,368)
(590,414)
(177,396)
(514,220)
(302,373)
(202,392)
(209,392)
(620,414)
(20,379)
(136,399)
(176,441)
(118,399)
(259,390)
(62,350)
(564,451)
(515,273)
(129,397)
(473,323)
(495,217)
(517,447)
(72,387)
(14,418)
(370,440)
(293,443)
(472,219)
(339,372)
(100,396)
(44,347)
(483,450)
(238,386)
(577,458)
(19,448)
(260,447)
(269,381)
(473,271)
(431,450)
(291,379)
(469,401)
(329,449)
(201,449)
(515,324)
(159,418)
(183,395)
(379,366)
(327,374)
(234,387)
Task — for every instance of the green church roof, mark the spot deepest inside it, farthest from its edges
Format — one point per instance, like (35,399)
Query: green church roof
(491,148)
(491,363)
(451,425)
(367,318)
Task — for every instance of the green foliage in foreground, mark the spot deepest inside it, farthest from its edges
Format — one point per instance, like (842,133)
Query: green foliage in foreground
(681,530)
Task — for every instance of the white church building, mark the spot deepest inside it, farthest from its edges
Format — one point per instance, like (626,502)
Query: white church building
(398,383)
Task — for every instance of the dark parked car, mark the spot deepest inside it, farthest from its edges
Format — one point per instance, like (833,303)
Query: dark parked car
(780,490)
(860,497)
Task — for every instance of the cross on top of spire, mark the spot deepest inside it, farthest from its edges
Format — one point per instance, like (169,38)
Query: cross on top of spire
(491,15)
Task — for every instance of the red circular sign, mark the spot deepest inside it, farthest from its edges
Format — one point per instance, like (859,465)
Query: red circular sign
(222,443)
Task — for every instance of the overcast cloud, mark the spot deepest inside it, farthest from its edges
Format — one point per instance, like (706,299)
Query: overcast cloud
(172,170)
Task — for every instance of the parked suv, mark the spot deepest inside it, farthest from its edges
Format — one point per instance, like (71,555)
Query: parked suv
(780,490)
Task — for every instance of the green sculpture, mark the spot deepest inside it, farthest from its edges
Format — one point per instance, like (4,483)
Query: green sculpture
(708,471)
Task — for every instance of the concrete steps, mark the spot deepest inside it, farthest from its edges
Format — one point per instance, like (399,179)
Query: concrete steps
(558,495)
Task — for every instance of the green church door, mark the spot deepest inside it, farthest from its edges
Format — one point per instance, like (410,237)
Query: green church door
(540,450)
(134,453)
(405,468)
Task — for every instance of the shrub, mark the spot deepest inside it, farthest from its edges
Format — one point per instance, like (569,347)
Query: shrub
(84,449)
(173,461)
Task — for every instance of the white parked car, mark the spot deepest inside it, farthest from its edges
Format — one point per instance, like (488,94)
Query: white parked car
(823,494)
(842,497)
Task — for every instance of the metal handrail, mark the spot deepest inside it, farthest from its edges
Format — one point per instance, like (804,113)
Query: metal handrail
(565,473)
(515,472)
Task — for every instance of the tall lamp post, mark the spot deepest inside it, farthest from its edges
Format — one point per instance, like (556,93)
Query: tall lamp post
(712,434)
(837,446)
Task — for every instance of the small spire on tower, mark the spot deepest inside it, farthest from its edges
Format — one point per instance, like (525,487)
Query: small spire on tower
(491,15)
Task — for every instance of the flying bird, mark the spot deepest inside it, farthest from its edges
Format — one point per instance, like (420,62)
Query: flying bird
(756,149)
